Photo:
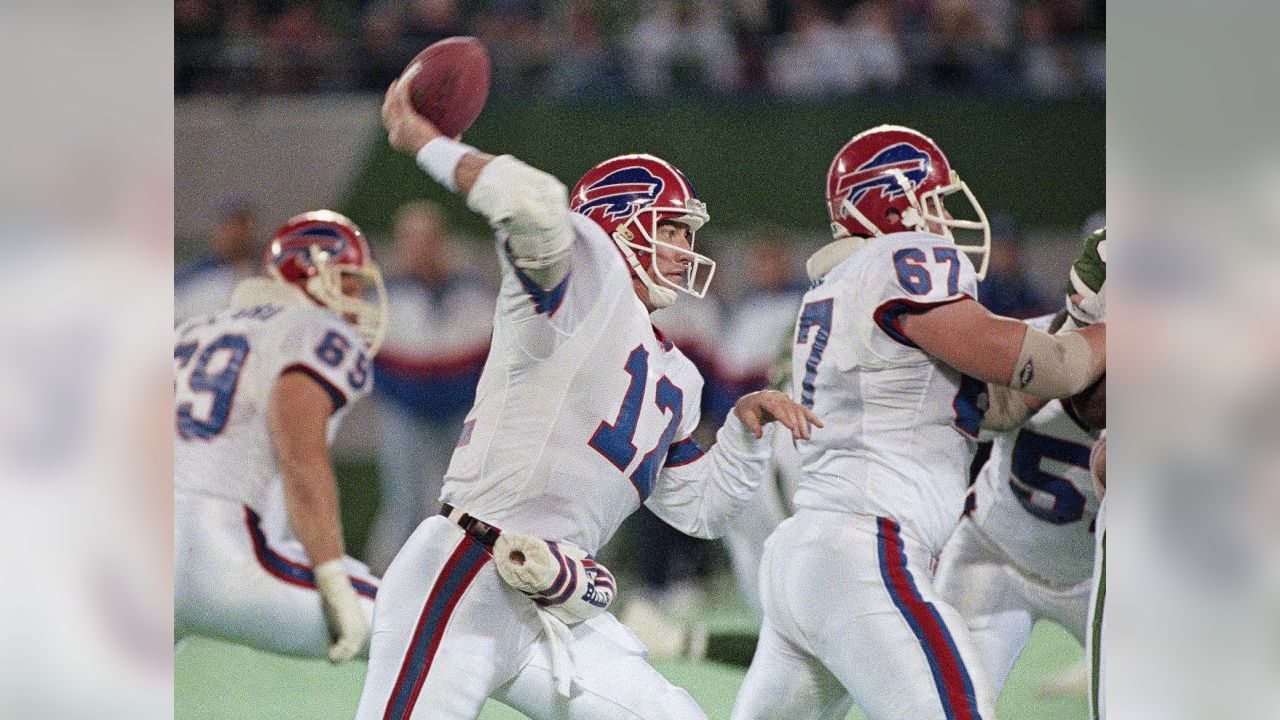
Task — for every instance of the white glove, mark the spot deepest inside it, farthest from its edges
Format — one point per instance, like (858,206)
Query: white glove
(348,626)
(558,576)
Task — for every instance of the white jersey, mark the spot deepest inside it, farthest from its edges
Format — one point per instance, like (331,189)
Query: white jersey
(226,365)
(1034,497)
(584,411)
(900,426)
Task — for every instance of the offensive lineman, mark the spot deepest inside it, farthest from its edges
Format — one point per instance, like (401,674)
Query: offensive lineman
(260,390)
(896,354)
(583,412)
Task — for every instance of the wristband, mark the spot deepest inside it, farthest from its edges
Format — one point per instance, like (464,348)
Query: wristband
(440,157)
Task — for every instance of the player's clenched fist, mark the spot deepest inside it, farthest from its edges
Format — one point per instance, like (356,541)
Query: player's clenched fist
(757,409)
(558,576)
(347,624)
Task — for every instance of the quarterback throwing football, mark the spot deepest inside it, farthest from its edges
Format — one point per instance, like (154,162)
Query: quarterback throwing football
(583,412)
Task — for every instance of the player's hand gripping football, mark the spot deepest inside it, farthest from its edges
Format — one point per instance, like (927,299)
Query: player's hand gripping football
(348,627)
(558,576)
(407,130)
(758,409)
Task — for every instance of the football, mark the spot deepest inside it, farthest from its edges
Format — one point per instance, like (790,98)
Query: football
(1090,406)
(450,83)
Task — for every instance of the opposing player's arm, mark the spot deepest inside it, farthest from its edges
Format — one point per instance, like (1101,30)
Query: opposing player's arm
(527,204)
(297,414)
(699,493)
(1008,352)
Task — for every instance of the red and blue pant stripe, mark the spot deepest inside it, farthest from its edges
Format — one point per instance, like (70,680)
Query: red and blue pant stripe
(291,571)
(955,688)
(449,588)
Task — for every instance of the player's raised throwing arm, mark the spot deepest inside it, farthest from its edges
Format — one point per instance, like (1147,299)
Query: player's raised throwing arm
(524,202)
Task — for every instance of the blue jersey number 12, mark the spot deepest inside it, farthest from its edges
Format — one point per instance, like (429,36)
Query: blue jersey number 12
(615,440)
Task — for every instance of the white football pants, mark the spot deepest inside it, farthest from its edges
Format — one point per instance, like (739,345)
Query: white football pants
(235,580)
(449,633)
(851,615)
(1000,602)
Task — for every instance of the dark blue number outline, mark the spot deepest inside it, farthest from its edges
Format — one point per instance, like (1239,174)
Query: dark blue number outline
(223,386)
(615,441)
(951,257)
(1029,448)
(667,396)
(907,263)
(814,314)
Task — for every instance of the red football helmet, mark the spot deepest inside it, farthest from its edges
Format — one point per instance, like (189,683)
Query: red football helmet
(313,251)
(628,196)
(893,179)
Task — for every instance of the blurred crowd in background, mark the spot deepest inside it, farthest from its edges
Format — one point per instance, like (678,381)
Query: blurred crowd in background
(616,49)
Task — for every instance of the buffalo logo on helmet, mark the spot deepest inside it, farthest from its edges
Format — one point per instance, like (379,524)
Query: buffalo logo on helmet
(912,161)
(621,193)
(300,241)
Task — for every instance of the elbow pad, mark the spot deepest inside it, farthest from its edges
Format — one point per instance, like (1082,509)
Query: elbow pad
(530,206)
(1053,366)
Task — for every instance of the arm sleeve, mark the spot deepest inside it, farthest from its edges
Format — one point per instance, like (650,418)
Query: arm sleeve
(699,493)
(528,207)
(326,350)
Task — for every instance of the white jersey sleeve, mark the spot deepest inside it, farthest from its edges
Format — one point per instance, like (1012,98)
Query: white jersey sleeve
(541,319)
(913,274)
(699,493)
(323,347)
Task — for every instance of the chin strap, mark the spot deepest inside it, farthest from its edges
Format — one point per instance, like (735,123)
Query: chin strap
(660,297)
